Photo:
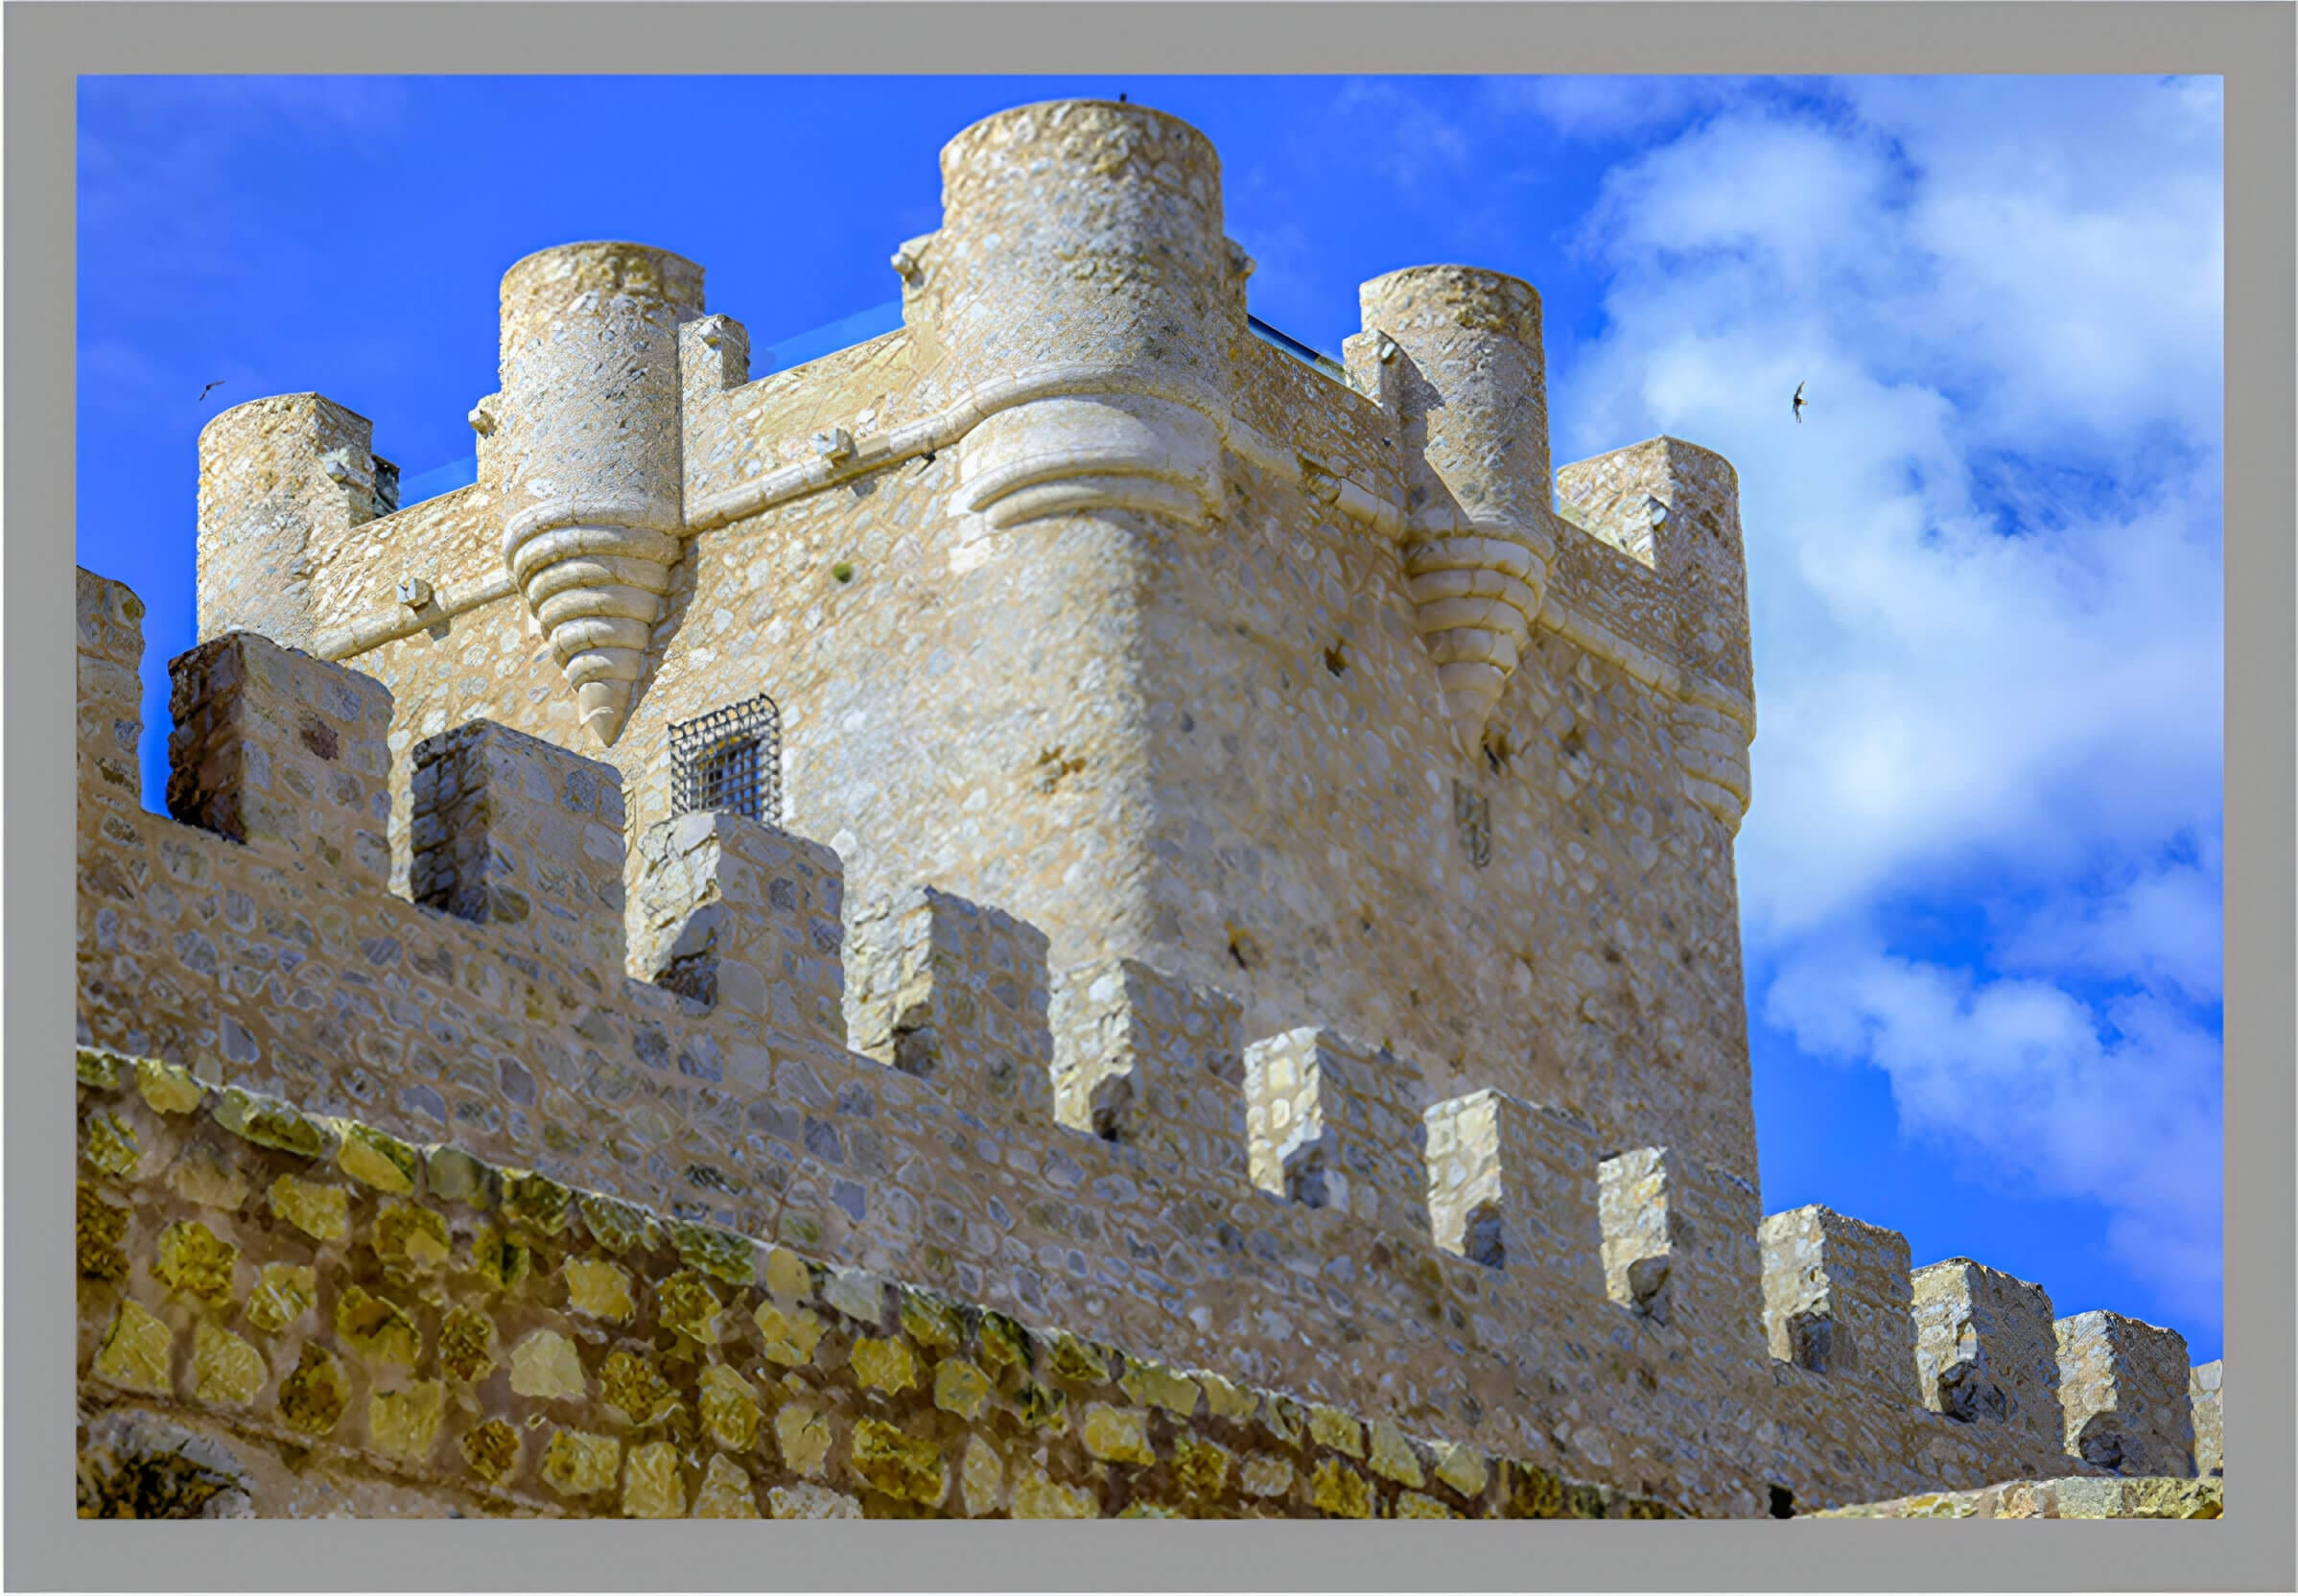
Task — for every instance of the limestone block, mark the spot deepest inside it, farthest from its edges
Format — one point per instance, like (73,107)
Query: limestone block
(284,752)
(1331,1125)
(1837,1300)
(512,831)
(2202,1393)
(111,718)
(2125,1387)
(1986,1352)
(957,993)
(747,918)
(1512,1185)
(1153,1061)
(1680,1249)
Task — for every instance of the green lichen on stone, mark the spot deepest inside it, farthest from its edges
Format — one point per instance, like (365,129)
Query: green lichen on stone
(1200,1467)
(883,1365)
(193,1260)
(499,1259)
(267,1123)
(632,1383)
(314,1395)
(97,1230)
(932,1322)
(322,1212)
(492,1451)
(369,1156)
(377,1328)
(1005,1344)
(284,1292)
(169,1088)
(97,1067)
(1072,1359)
(1340,1491)
(903,1466)
(716,1253)
(1532,1493)
(615,1225)
(410,1237)
(467,1344)
(535,1200)
(1042,1407)
(108,1144)
(686,1304)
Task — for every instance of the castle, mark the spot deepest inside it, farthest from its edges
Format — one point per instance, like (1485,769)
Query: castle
(1057,912)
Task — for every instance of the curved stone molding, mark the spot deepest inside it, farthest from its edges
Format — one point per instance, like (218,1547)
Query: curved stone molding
(591,456)
(1082,455)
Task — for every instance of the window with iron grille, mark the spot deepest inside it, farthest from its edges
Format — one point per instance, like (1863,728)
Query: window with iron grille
(730,758)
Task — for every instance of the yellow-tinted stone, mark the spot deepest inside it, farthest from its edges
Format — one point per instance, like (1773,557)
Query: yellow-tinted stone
(578,1464)
(411,1237)
(686,1304)
(322,1212)
(97,1233)
(632,1383)
(1036,1497)
(167,1088)
(932,1322)
(1283,1417)
(1266,1474)
(98,1068)
(730,1409)
(982,1474)
(224,1368)
(467,1344)
(315,1393)
(615,1225)
(1413,1505)
(193,1260)
(804,1436)
(1160,1387)
(652,1486)
(406,1422)
(598,1288)
(787,1277)
(960,1388)
(1043,1407)
(377,1327)
(1148,1510)
(1117,1435)
(1333,1428)
(1392,1457)
(902,1465)
(137,1350)
(381,1162)
(883,1365)
(536,1201)
(727,1491)
(1463,1469)
(1200,1467)
(812,1501)
(108,1143)
(788,1338)
(204,1178)
(1225,1399)
(728,1257)
(1005,1344)
(284,1293)
(492,1450)
(269,1122)
(547,1364)
(1340,1491)
(1073,1359)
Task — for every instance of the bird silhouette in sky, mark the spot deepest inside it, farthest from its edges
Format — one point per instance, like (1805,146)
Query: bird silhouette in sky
(1798,404)
(210,388)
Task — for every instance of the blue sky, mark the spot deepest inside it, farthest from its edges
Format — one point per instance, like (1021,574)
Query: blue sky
(1980,877)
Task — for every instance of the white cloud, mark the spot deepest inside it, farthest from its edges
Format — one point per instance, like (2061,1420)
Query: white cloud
(1985,581)
(1607,107)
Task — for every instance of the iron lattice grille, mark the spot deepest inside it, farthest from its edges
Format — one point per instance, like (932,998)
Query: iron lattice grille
(730,758)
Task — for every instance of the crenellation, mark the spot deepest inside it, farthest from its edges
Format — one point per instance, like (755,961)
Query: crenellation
(2206,1399)
(1216,696)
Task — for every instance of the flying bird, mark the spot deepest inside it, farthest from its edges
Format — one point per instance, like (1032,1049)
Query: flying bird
(1798,404)
(210,388)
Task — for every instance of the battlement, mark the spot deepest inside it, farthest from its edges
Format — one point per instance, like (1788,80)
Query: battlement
(915,1086)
